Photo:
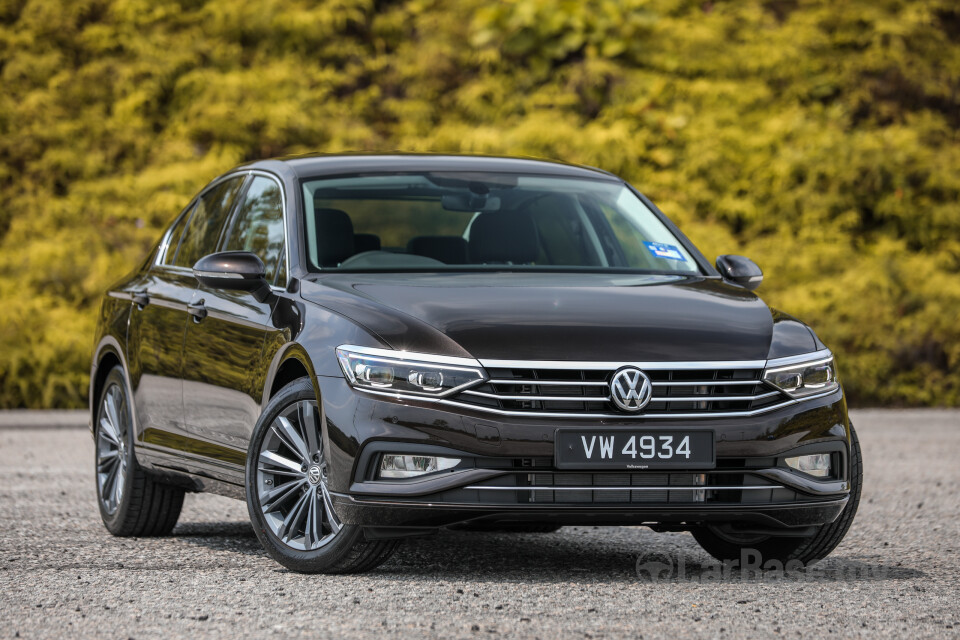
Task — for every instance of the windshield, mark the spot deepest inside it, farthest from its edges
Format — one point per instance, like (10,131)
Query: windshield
(469,221)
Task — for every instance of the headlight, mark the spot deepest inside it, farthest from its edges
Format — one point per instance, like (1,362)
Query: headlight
(805,378)
(406,372)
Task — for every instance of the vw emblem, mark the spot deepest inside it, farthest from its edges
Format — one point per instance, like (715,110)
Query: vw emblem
(630,389)
(313,474)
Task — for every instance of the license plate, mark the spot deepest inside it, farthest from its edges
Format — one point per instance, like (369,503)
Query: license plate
(634,449)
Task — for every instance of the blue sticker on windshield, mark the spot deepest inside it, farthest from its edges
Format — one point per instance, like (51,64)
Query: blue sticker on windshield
(667,251)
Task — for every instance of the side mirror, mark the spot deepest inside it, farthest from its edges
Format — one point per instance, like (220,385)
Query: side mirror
(231,270)
(740,270)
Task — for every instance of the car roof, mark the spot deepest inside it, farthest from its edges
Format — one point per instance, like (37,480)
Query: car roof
(317,165)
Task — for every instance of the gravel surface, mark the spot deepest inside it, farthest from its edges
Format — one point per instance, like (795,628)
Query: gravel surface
(63,576)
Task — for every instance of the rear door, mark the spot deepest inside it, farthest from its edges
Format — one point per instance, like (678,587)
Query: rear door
(222,374)
(155,344)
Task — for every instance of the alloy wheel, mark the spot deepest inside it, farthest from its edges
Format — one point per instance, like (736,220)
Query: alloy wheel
(292,480)
(112,448)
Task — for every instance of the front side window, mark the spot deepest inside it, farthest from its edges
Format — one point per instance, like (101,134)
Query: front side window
(258,225)
(203,230)
(470,221)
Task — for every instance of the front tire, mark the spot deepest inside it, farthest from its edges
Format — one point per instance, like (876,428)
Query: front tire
(132,503)
(288,499)
(807,550)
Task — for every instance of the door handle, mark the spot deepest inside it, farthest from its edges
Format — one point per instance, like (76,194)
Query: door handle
(140,298)
(197,310)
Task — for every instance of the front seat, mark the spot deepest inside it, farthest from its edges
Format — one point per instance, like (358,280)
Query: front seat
(504,237)
(335,239)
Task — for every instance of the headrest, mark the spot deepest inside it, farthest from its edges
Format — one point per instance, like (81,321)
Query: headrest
(366,242)
(504,236)
(446,249)
(334,236)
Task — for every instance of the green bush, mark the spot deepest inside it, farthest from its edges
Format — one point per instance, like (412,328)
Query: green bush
(820,138)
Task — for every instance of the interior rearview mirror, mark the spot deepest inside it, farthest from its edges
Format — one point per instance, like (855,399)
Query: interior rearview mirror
(740,270)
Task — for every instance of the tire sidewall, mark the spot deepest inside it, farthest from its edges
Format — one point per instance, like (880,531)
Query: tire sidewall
(315,560)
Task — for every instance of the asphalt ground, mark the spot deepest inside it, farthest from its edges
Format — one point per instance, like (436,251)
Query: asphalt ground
(63,576)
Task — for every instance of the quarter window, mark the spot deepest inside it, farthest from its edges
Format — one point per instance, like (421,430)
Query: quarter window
(174,241)
(258,225)
(203,231)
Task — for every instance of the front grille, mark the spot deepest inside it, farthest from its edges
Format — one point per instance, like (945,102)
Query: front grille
(676,392)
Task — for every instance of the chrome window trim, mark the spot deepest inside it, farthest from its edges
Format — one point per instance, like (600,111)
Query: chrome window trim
(164,243)
(165,240)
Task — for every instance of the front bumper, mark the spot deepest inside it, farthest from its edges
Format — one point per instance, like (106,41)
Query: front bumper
(507,472)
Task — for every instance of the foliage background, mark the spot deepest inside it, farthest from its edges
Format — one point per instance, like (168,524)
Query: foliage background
(819,138)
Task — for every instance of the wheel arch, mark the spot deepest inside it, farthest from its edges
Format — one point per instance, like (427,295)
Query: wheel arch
(289,363)
(108,355)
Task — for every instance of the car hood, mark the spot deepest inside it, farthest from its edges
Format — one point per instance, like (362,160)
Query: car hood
(551,316)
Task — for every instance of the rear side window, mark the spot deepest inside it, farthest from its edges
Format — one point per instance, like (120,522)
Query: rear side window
(173,242)
(209,214)
(258,225)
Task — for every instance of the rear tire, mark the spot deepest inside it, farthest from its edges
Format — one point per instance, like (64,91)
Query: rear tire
(132,503)
(287,497)
(806,550)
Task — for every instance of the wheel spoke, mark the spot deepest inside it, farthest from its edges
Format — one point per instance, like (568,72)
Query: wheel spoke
(269,457)
(291,432)
(108,462)
(289,445)
(308,418)
(288,526)
(310,526)
(118,485)
(282,472)
(108,431)
(113,410)
(328,507)
(109,483)
(279,495)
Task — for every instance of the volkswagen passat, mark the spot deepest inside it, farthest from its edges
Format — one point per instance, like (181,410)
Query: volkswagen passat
(369,348)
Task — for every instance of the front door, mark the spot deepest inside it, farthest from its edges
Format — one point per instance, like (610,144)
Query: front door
(222,372)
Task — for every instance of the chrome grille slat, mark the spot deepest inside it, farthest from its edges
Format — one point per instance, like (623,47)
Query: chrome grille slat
(703,383)
(533,398)
(551,383)
(715,389)
(704,397)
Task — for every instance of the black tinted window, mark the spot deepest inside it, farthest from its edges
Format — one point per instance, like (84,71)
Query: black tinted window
(258,225)
(207,220)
